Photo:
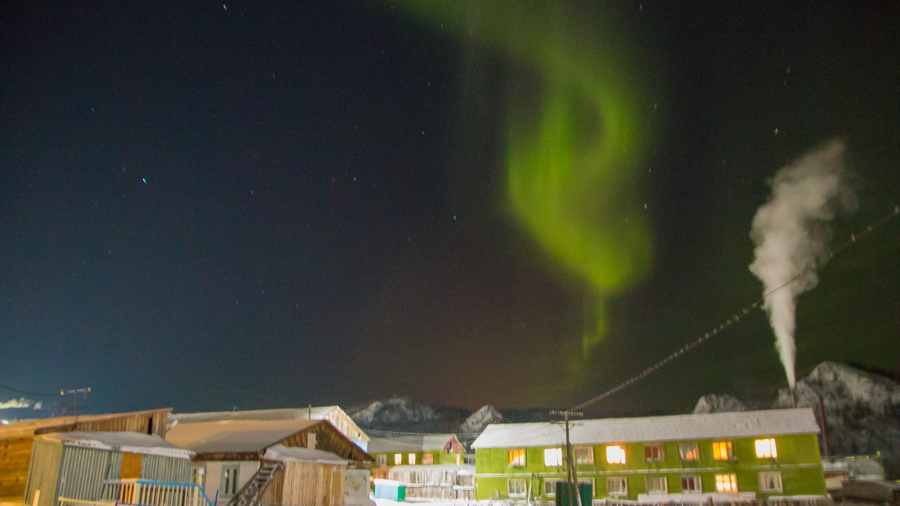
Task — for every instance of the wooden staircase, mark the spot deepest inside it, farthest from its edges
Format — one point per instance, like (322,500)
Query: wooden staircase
(251,493)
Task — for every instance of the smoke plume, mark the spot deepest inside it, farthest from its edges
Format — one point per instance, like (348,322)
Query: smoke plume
(791,232)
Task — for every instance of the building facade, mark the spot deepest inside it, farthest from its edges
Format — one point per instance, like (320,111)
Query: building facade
(414,450)
(690,458)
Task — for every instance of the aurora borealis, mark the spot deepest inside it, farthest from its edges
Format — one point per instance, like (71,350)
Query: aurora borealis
(574,144)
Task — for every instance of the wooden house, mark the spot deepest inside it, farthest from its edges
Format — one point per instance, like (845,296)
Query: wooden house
(414,450)
(230,454)
(73,467)
(16,440)
(334,414)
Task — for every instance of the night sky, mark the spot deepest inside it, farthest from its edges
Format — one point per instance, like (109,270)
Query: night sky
(257,205)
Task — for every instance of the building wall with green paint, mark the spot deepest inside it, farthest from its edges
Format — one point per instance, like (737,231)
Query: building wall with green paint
(798,462)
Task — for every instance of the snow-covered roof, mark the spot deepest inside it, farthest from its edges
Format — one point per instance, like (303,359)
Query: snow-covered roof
(655,428)
(127,442)
(285,454)
(234,436)
(312,413)
(428,443)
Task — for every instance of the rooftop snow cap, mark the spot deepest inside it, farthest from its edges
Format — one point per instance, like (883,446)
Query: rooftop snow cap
(126,442)
(654,428)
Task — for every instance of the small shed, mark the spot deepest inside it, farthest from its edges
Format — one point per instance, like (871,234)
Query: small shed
(441,481)
(307,477)
(16,440)
(76,465)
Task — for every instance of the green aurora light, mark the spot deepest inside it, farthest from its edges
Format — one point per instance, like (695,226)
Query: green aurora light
(574,149)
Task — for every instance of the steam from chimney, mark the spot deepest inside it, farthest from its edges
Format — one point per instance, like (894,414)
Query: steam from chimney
(791,232)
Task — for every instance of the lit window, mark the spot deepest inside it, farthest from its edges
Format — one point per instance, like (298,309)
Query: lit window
(550,486)
(691,485)
(656,484)
(615,454)
(516,458)
(428,458)
(584,455)
(197,475)
(616,486)
(382,460)
(726,483)
(770,482)
(516,488)
(412,459)
(553,457)
(722,450)
(765,448)
(654,452)
(688,451)
(398,459)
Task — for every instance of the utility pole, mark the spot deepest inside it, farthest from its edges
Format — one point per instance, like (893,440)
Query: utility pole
(571,473)
(75,392)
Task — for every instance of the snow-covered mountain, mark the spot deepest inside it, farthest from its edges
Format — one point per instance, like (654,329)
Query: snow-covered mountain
(404,414)
(718,403)
(862,411)
(480,419)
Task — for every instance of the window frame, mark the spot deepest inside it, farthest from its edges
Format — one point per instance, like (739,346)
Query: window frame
(586,450)
(763,481)
(551,492)
(427,459)
(521,481)
(697,479)
(381,460)
(766,448)
(516,457)
(398,459)
(694,448)
(619,453)
(728,445)
(732,481)
(411,458)
(234,470)
(665,483)
(622,480)
(560,460)
(199,471)
(660,449)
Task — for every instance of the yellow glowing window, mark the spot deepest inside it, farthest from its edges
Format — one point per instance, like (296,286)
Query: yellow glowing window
(615,454)
(722,450)
(726,483)
(553,457)
(428,458)
(412,459)
(765,448)
(516,458)
(688,451)
(398,459)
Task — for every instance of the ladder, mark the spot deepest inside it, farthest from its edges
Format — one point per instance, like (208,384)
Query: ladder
(252,491)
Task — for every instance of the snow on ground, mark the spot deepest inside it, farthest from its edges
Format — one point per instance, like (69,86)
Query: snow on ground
(430,502)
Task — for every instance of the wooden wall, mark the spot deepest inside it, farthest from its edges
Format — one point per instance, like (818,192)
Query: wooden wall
(310,484)
(15,457)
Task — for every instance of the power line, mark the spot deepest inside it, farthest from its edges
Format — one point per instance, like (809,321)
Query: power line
(735,318)
(26,392)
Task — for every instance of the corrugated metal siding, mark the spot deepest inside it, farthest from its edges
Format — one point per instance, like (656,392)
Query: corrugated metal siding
(83,471)
(44,472)
(159,468)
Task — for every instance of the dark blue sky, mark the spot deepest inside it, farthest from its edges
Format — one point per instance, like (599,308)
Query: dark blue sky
(276,205)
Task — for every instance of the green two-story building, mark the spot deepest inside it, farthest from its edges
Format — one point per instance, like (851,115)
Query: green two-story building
(742,455)
(414,450)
